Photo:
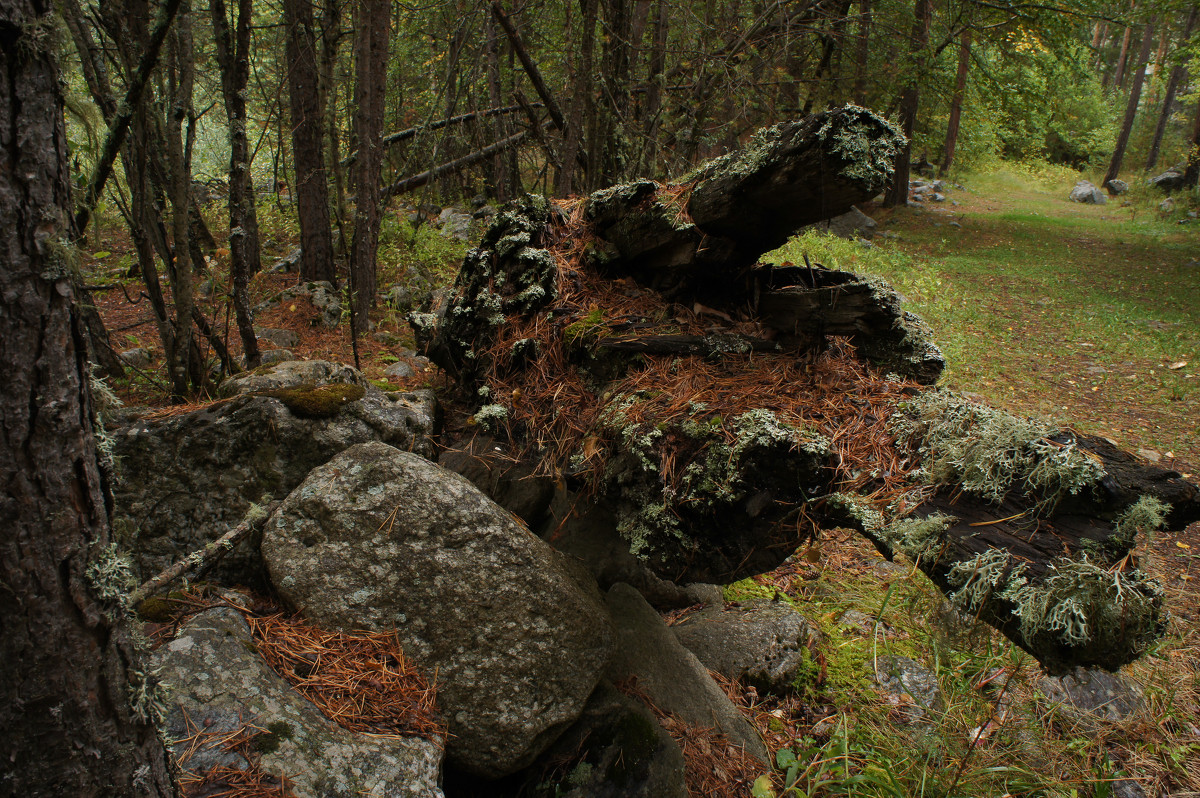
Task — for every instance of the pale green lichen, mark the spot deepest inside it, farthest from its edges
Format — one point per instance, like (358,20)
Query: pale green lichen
(867,144)
(989,452)
(1147,514)
(491,418)
(977,578)
(111,574)
(1083,603)
(921,539)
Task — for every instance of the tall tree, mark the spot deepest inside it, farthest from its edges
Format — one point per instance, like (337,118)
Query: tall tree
(956,102)
(1173,83)
(370,53)
(184,366)
(68,666)
(1135,95)
(233,59)
(909,101)
(308,152)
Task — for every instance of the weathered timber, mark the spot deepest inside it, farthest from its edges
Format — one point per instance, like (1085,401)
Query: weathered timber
(1034,530)
(749,202)
(655,367)
(703,345)
(821,302)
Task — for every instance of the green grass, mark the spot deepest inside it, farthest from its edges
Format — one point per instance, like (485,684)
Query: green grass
(1049,307)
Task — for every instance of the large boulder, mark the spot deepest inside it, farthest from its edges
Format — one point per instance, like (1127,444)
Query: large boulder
(517,636)
(184,480)
(220,686)
(670,675)
(766,643)
(1088,193)
(850,225)
(1169,180)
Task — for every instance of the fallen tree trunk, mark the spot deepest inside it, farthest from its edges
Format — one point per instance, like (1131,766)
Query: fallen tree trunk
(720,412)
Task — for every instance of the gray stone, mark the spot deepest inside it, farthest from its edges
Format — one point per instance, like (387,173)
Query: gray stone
(455,224)
(1117,187)
(288,263)
(1127,788)
(321,294)
(910,687)
(616,749)
(293,374)
(1088,193)
(1167,206)
(284,339)
(1090,699)
(269,357)
(1169,180)
(766,643)
(219,684)
(674,679)
(185,480)
(382,539)
(860,623)
(849,225)
(399,369)
(139,358)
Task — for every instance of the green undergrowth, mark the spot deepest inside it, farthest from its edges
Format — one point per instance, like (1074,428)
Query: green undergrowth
(994,734)
(1051,307)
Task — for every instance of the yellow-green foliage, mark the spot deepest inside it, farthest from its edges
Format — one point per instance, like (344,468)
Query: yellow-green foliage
(323,401)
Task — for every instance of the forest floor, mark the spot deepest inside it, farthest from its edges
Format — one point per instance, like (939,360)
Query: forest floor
(1086,314)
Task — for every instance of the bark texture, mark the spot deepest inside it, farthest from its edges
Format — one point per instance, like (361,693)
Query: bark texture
(67,666)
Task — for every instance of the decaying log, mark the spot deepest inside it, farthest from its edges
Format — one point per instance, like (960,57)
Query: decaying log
(721,411)
(744,204)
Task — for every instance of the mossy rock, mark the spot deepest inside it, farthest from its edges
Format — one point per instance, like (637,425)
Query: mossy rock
(325,401)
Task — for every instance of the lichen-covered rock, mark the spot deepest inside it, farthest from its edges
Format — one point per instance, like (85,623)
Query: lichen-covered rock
(292,374)
(1090,698)
(674,679)
(218,684)
(1088,193)
(515,486)
(381,539)
(849,225)
(184,480)
(766,643)
(910,687)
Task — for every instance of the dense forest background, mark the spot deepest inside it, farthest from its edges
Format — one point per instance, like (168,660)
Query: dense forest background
(310,102)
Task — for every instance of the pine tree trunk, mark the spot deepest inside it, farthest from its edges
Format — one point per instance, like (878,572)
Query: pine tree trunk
(67,664)
(581,99)
(1172,89)
(960,90)
(233,58)
(909,102)
(371,48)
(179,358)
(864,52)
(1135,94)
(308,154)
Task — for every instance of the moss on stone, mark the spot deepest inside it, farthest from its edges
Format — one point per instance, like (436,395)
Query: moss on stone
(309,401)
(636,736)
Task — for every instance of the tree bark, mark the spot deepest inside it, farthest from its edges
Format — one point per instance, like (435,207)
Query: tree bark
(68,666)
(233,58)
(956,102)
(581,99)
(1173,83)
(1135,94)
(371,48)
(909,102)
(308,154)
(863,52)
(179,358)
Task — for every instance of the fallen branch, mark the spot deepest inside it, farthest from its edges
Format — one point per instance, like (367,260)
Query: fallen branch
(418,180)
(408,133)
(208,556)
